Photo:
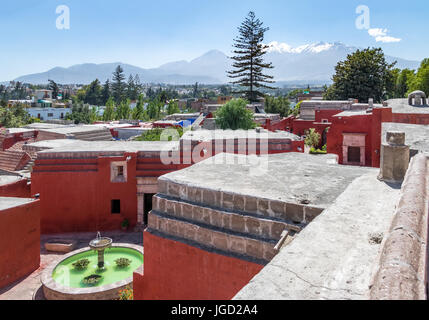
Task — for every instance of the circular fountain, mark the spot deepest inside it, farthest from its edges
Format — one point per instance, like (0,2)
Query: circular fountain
(98,272)
(100,244)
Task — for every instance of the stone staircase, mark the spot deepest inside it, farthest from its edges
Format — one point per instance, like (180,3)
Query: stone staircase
(96,135)
(13,160)
(198,121)
(220,223)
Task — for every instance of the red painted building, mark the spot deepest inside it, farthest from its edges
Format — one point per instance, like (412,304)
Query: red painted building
(19,238)
(14,186)
(355,136)
(169,264)
(95,186)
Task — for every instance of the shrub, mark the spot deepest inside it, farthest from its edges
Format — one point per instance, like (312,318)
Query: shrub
(235,115)
(122,262)
(155,134)
(92,279)
(81,264)
(312,138)
(317,151)
(126,294)
(125,223)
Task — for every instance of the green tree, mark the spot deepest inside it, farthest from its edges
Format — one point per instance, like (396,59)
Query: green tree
(421,80)
(139,113)
(118,85)
(14,117)
(173,107)
(312,138)
(93,93)
(109,111)
(55,89)
(364,74)
(248,63)
(155,134)
(154,109)
(280,105)
(81,113)
(402,83)
(235,115)
(123,110)
(105,93)
(195,91)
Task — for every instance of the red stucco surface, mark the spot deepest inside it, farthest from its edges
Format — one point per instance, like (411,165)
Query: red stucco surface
(177,271)
(18,189)
(19,242)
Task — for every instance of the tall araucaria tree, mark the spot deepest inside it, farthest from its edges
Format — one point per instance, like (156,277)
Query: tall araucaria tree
(118,85)
(248,63)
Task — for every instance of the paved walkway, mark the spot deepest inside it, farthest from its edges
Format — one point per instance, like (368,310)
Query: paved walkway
(26,287)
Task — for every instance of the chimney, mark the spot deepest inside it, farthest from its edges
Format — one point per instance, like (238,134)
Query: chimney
(395,158)
(370,105)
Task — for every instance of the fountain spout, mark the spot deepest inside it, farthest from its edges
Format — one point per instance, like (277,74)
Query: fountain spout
(100,244)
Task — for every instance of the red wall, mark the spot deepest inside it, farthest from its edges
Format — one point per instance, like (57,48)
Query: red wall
(370,124)
(411,118)
(19,242)
(19,189)
(73,199)
(17,137)
(176,271)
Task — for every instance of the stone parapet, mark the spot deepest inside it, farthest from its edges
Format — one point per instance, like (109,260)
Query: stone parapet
(229,221)
(402,271)
(238,244)
(288,212)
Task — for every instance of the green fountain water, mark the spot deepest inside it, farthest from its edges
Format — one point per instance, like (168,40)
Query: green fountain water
(67,275)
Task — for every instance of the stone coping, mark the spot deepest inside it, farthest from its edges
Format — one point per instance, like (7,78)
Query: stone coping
(49,282)
(402,269)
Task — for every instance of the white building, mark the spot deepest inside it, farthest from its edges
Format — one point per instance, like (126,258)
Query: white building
(48,113)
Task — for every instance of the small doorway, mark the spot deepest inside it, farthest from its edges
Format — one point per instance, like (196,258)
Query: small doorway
(353,155)
(147,206)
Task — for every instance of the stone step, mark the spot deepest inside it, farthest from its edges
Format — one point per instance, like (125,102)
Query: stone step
(253,226)
(288,212)
(226,242)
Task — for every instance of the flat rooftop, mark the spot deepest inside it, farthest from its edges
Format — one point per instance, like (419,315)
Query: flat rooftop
(19,130)
(352,113)
(41,125)
(114,146)
(7,203)
(75,129)
(289,177)
(51,144)
(207,135)
(416,135)
(6,179)
(336,255)
(402,106)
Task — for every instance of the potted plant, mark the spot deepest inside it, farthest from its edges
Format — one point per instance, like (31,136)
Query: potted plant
(125,224)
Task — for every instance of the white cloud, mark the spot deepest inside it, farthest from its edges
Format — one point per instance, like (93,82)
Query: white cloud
(380,35)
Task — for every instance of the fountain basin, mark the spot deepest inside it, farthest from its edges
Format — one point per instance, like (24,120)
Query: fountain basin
(61,281)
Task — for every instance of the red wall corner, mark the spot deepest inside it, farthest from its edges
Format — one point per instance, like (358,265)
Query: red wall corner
(177,271)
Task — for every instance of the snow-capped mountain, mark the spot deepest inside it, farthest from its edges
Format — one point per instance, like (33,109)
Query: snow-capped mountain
(311,63)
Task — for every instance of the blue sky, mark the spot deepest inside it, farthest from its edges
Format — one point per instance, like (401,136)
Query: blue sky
(150,33)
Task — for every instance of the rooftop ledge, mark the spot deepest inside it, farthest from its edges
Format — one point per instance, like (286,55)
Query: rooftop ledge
(335,256)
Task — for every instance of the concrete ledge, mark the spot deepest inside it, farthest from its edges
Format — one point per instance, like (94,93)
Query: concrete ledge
(238,244)
(402,271)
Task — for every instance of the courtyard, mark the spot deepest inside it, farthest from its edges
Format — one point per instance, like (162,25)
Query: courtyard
(28,287)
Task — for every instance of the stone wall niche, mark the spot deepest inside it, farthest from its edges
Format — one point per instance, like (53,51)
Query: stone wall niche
(354,149)
(395,158)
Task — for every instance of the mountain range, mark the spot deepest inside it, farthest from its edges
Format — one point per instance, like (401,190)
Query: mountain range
(312,63)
